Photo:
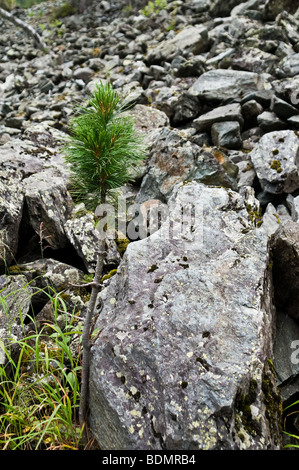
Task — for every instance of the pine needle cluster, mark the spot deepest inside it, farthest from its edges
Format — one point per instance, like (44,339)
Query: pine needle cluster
(103,148)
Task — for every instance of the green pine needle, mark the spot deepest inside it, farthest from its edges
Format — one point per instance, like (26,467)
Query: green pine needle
(103,147)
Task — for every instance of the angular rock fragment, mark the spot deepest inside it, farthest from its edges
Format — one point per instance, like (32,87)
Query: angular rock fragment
(193,39)
(226,134)
(268,122)
(230,112)
(219,85)
(49,205)
(186,334)
(15,302)
(11,210)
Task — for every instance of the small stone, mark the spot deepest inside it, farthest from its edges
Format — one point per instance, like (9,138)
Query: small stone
(282,108)
(83,73)
(269,122)
(226,134)
(230,112)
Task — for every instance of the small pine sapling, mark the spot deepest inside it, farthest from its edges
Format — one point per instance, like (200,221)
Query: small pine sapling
(102,149)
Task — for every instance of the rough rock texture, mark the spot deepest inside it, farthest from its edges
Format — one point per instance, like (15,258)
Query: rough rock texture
(275,160)
(186,333)
(15,297)
(174,159)
(191,39)
(11,207)
(219,85)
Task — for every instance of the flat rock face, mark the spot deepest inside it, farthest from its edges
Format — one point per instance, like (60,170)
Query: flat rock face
(15,297)
(220,84)
(186,333)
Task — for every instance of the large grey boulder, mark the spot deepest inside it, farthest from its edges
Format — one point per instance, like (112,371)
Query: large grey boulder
(181,361)
(230,112)
(275,159)
(220,84)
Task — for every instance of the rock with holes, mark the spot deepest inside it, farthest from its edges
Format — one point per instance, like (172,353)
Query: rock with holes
(186,333)
(275,159)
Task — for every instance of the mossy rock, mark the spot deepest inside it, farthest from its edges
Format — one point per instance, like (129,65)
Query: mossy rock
(122,244)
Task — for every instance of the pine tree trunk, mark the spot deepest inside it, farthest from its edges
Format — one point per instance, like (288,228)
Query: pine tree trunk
(86,340)
(26,27)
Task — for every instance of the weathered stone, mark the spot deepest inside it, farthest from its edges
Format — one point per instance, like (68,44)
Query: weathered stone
(226,134)
(16,297)
(251,59)
(246,173)
(287,333)
(83,73)
(49,277)
(250,110)
(176,103)
(268,122)
(293,206)
(271,220)
(275,159)
(191,39)
(219,85)
(11,210)
(83,236)
(174,159)
(49,205)
(288,66)
(148,118)
(230,112)
(201,299)
(220,8)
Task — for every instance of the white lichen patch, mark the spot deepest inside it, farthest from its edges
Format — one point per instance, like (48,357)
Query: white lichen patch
(131,429)
(133,390)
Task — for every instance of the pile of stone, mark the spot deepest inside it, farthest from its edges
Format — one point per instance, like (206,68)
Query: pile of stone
(191,325)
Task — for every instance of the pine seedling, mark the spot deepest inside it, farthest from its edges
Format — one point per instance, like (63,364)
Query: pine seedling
(102,150)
